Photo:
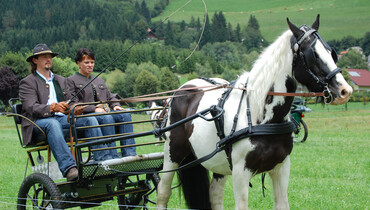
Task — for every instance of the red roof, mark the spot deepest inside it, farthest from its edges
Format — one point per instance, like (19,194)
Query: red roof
(360,76)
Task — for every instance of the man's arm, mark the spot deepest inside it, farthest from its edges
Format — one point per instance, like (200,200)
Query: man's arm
(30,99)
(73,89)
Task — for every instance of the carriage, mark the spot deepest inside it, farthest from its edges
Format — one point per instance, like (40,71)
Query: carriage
(130,179)
(240,128)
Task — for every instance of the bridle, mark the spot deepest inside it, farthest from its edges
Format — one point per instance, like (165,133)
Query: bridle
(308,59)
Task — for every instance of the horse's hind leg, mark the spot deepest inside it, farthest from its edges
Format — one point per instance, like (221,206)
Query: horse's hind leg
(217,191)
(280,180)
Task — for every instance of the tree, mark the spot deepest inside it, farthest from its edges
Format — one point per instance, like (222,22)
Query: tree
(219,27)
(168,80)
(230,74)
(225,53)
(252,37)
(9,21)
(365,45)
(207,34)
(353,59)
(9,85)
(349,41)
(192,22)
(145,83)
(145,12)
(64,67)
(17,62)
(237,33)
(125,86)
(169,37)
(203,71)
(230,34)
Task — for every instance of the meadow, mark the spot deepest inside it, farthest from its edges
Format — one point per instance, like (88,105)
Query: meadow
(329,171)
(339,18)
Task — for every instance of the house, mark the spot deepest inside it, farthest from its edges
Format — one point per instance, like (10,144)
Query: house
(151,34)
(360,79)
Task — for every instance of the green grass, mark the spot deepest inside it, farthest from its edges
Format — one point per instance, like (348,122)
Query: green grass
(329,171)
(339,18)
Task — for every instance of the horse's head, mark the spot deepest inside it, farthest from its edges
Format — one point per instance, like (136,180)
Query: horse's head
(314,64)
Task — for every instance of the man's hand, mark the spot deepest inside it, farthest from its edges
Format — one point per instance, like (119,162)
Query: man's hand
(59,107)
(99,110)
(118,108)
(78,110)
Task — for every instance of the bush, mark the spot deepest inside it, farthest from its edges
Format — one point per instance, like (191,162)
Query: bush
(363,96)
(64,67)
(9,85)
(17,62)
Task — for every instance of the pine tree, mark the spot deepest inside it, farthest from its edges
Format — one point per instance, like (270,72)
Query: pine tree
(192,22)
(219,28)
(253,38)
(237,35)
(207,34)
(230,34)
(145,11)
(366,44)
(169,38)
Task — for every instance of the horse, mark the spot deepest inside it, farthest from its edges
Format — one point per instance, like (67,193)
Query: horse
(157,116)
(298,56)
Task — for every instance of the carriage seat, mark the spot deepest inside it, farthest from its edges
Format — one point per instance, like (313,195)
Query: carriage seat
(38,139)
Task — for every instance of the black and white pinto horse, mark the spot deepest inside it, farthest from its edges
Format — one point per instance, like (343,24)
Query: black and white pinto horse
(299,55)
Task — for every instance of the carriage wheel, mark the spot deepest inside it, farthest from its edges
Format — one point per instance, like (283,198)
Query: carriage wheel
(40,192)
(138,200)
(300,135)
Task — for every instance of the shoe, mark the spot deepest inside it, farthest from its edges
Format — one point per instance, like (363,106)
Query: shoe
(72,174)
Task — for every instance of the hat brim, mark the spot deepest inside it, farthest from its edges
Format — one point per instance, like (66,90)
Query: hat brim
(29,59)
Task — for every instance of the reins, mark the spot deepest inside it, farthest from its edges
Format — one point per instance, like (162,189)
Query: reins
(157,96)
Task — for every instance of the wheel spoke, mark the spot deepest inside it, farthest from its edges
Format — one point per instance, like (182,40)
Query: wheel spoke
(46,200)
(33,201)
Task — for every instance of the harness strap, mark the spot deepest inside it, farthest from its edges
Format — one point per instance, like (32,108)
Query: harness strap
(258,130)
(332,74)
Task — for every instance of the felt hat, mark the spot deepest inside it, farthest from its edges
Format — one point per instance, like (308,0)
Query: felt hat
(39,50)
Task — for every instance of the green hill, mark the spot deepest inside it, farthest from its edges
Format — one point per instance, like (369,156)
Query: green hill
(339,18)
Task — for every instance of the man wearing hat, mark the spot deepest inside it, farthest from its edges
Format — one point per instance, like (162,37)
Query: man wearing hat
(43,95)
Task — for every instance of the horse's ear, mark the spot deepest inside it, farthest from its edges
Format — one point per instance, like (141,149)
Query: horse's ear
(296,31)
(316,24)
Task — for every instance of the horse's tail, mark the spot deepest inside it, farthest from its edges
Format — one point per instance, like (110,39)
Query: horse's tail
(195,185)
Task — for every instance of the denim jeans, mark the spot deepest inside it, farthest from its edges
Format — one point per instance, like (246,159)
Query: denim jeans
(53,127)
(110,130)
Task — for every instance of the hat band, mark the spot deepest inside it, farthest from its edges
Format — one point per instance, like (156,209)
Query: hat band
(43,52)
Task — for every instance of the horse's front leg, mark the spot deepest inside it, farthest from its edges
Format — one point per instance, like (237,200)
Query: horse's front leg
(241,178)
(280,180)
(216,192)
(164,187)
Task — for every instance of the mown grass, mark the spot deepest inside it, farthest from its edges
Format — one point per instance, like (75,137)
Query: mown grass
(329,171)
(339,18)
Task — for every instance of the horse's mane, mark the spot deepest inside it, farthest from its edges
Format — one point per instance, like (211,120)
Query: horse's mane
(274,63)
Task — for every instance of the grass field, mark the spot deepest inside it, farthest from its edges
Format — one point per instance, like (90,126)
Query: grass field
(339,18)
(329,171)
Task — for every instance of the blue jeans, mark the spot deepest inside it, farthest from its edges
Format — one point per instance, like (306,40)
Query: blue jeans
(110,130)
(53,127)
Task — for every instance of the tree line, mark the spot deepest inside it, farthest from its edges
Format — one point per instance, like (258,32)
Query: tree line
(117,33)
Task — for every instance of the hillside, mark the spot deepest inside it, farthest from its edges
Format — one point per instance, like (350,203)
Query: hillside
(339,18)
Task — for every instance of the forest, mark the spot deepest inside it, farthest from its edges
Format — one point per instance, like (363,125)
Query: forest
(122,36)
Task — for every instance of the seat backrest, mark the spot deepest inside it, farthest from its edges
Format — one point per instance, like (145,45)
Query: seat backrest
(17,109)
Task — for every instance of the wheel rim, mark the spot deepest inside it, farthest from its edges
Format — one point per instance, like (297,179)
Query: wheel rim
(38,191)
